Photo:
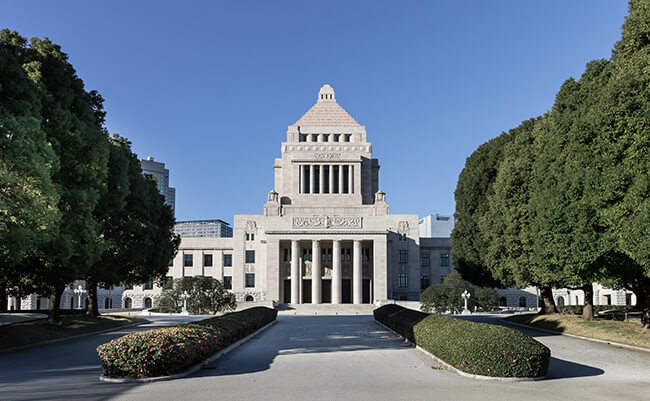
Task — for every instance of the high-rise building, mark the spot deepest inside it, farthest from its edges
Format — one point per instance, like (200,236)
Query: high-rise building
(436,226)
(158,170)
(203,229)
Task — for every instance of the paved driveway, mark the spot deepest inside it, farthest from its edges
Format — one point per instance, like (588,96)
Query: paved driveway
(353,358)
(67,370)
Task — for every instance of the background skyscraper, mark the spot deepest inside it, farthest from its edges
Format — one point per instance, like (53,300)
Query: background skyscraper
(158,170)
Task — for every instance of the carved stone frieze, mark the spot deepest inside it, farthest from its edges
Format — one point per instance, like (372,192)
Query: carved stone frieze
(250,269)
(403,227)
(327,222)
(251,227)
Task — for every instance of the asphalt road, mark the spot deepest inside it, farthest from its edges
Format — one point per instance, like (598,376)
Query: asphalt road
(67,370)
(328,358)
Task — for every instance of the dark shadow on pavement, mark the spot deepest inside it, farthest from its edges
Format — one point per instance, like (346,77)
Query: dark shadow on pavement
(561,369)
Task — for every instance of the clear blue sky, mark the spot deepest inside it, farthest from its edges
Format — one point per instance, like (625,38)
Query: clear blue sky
(209,87)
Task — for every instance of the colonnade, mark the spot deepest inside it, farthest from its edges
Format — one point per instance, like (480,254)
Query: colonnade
(316,272)
(327,179)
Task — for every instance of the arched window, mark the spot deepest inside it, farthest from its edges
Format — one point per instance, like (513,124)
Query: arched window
(147,302)
(108,303)
(128,303)
(522,302)
(249,298)
(503,301)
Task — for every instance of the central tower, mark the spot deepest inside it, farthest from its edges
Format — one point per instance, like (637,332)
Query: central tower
(326,165)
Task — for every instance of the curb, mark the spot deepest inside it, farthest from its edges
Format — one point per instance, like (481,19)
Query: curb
(58,340)
(460,372)
(596,340)
(191,369)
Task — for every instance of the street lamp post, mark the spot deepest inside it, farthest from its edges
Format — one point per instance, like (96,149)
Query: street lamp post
(466,295)
(185,296)
(79,291)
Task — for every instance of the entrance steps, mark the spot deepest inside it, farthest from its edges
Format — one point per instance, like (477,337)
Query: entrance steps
(325,309)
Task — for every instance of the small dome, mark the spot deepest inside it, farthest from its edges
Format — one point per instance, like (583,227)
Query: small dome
(326,93)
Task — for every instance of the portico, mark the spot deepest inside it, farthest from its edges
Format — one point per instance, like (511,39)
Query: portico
(318,269)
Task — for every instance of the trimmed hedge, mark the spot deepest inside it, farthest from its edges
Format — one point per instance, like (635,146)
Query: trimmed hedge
(475,348)
(167,351)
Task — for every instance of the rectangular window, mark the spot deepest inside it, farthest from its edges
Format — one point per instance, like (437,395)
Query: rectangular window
(403,256)
(329,255)
(425,282)
(207,260)
(424,260)
(347,137)
(302,138)
(323,255)
(250,256)
(348,255)
(442,278)
(250,280)
(227,282)
(336,137)
(252,237)
(188,260)
(171,262)
(314,138)
(286,255)
(326,138)
(227,260)
(248,238)
(403,280)
(148,285)
(444,259)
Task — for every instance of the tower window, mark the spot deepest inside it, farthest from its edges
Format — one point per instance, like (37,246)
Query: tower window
(336,137)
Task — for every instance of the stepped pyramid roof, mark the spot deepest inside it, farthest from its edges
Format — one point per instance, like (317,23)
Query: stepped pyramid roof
(326,112)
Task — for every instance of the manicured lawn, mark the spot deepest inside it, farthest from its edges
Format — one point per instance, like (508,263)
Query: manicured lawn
(36,331)
(630,333)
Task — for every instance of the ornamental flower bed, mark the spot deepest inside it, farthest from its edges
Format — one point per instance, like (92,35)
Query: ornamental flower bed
(475,348)
(172,350)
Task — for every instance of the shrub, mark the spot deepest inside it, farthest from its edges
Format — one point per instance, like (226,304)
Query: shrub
(445,297)
(476,348)
(172,350)
(207,295)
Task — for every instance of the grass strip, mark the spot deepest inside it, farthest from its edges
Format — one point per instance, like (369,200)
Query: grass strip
(37,331)
(630,333)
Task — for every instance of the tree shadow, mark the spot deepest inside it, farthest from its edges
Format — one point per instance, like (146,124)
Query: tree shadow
(561,369)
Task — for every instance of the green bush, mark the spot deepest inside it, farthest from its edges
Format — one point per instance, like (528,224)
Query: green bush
(172,350)
(207,295)
(476,348)
(440,298)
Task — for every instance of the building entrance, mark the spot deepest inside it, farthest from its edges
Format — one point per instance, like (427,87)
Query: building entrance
(326,291)
(346,291)
(306,291)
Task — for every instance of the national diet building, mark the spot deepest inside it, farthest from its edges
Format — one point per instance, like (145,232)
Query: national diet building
(326,234)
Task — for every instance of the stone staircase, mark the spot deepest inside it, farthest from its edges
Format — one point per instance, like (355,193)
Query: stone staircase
(325,309)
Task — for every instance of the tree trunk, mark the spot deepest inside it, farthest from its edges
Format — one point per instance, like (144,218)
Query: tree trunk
(3,299)
(92,309)
(588,308)
(549,303)
(54,313)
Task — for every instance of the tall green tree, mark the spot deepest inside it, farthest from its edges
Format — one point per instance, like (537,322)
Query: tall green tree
(29,215)
(111,214)
(474,184)
(72,119)
(625,140)
(505,224)
(569,238)
(149,242)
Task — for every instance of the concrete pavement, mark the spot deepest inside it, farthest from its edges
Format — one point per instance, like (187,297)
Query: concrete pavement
(353,358)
